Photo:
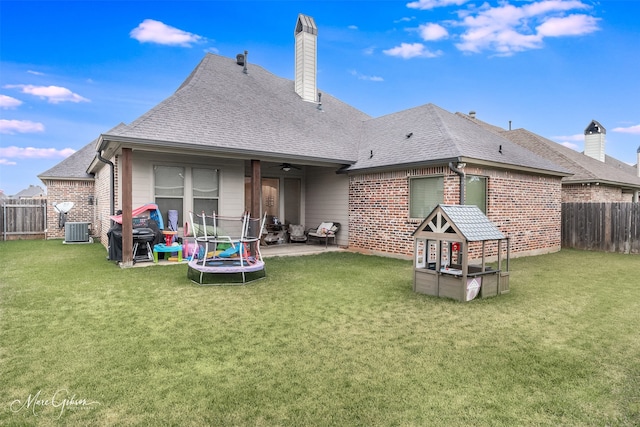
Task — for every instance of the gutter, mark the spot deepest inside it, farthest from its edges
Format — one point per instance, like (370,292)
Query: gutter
(460,173)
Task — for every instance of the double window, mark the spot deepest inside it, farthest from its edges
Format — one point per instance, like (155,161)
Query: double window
(173,183)
(425,193)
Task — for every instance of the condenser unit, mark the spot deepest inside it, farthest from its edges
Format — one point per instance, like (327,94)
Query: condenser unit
(76,232)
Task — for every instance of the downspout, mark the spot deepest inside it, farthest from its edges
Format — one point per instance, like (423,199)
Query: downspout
(113,182)
(460,173)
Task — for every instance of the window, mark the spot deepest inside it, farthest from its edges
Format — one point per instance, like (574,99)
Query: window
(424,195)
(169,189)
(173,183)
(476,192)
(205,190)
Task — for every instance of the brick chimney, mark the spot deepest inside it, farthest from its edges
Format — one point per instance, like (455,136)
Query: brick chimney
(306,36)
(594,140)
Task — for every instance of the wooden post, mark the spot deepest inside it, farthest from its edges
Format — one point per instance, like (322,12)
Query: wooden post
(127,207)
(464,247)
(256,188)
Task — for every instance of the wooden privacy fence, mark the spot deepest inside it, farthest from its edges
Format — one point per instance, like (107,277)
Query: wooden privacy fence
(608,227)
(23,218)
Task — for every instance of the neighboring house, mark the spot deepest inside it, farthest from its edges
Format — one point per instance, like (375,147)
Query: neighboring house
(595,176)
(33,192)
(68,181)
(234,137)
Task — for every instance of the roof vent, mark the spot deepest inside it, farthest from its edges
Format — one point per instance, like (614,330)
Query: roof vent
(240,59)
(472,114)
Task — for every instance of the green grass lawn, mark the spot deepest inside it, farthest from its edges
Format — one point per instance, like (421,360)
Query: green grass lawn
(334,339)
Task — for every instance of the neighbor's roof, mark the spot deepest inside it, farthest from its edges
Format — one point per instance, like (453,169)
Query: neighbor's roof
(31,191)
(584,168)
(430,134)
(221,109)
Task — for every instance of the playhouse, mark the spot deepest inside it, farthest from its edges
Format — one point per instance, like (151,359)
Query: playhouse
(450,248)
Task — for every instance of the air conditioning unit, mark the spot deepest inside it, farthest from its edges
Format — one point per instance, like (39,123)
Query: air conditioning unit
(76,232)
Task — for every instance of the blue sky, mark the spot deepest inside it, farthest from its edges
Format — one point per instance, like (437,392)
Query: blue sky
(72,70)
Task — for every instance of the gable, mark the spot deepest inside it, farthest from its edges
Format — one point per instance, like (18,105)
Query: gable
(465,222)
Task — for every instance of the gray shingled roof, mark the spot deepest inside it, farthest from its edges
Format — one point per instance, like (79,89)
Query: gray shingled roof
(430,134)
(220,108)
(583,168)
(74,166)
(472,223)
(31,191)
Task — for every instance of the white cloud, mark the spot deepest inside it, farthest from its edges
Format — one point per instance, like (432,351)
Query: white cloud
(635,130)
(365,77)
(572,25)
(432,4)
(152,31)
(53,94)
(570,141)
(571,145)
(5,162)
(37,73)
(7,102)
(404,19)
(431,32)
(352,27)
(411,50)
(507,29)
(14,152)
(20,126)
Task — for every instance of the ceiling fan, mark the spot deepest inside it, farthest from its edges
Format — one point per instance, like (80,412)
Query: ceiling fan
(286,167)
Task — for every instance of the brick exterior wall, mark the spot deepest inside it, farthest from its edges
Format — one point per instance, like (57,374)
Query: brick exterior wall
(527,208)
(78,192)
(103,200)
(583,193)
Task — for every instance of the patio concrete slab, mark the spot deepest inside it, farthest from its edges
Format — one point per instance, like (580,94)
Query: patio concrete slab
(269,251)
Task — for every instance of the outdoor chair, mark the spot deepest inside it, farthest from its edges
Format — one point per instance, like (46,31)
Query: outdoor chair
(325,231)
(297,233)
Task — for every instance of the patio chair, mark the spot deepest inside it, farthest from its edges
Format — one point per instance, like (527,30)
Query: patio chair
(297,233)
(325,231)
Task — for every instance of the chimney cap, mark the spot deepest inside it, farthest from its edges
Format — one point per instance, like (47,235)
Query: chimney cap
(306,24)
(594,127)
(472,114)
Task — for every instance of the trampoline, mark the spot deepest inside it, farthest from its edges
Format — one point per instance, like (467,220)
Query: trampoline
(228,249)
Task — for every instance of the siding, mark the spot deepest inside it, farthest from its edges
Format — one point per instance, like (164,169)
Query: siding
(327,199)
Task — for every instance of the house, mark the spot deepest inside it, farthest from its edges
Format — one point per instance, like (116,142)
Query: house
(68,181)
(234,137)
(32,192)
(595,176)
